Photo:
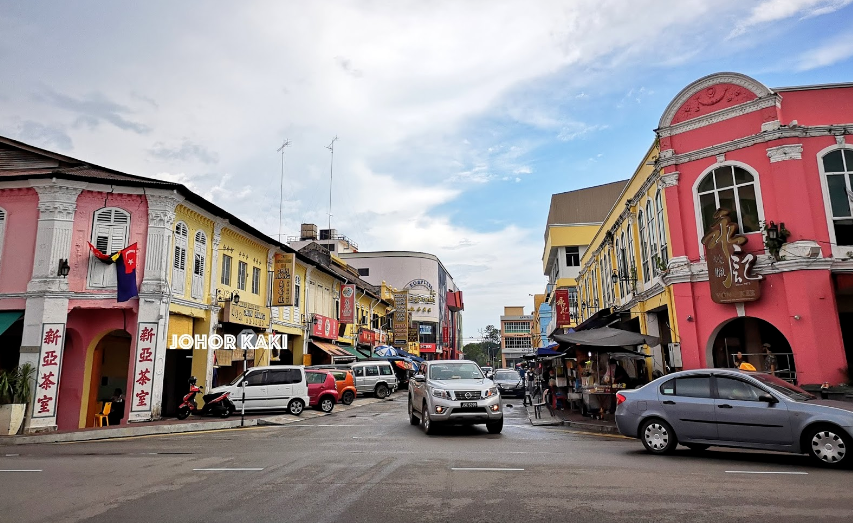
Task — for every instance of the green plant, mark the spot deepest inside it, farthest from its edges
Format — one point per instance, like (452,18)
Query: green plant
(16,384)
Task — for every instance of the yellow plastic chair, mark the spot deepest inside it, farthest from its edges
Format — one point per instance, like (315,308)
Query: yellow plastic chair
(104,415)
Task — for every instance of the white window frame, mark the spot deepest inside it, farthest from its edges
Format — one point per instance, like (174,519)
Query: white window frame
(199,259)
(644,245)
(179,258)
(242,274)
(297,291)
(652,235)
(256,280)
(102,275)
(838,251)
(697,209)
(225,276)
(663,244)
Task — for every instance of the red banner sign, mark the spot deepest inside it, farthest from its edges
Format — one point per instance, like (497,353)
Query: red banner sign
(347,312)
(367,337)
(427,347)
(324,327)
(561,307)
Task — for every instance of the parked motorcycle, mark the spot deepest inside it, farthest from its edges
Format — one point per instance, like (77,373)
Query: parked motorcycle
(215,404)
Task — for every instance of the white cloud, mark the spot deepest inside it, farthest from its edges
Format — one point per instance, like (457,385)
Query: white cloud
(575,130)
(773,10)
(830,53)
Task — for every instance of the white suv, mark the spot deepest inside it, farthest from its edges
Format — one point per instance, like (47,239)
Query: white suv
(454,391)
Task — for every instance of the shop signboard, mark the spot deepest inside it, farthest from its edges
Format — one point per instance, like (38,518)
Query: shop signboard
(143,367)
(401,318)
(47,377)
(324,327)
(413,332)
(283,283)
(427,347)
(561,306)
(246,314)
(729,268)
(367,337)
(347,312)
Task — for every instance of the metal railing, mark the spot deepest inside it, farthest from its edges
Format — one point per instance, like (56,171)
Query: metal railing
(785,368)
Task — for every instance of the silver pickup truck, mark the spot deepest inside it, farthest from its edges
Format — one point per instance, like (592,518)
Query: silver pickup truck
(454,391)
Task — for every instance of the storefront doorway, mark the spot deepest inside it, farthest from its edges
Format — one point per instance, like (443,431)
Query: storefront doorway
(748,336)
(176,375)
(110,360)
(844,300)
(11,332)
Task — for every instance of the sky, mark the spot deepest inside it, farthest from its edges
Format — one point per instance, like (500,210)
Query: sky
(456,120)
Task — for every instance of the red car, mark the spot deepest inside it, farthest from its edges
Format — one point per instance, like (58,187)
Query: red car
(322,389)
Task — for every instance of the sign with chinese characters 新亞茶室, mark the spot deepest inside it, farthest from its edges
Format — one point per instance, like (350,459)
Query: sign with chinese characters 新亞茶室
(47,377)
(729,268)
(143,367)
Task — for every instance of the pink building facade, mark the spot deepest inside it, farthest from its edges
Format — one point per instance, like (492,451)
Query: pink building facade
(766,155)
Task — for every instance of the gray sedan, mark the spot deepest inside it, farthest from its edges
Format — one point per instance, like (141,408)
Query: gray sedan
(729,408)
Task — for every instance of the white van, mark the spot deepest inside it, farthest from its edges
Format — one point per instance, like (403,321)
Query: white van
(267,388)
(374,377)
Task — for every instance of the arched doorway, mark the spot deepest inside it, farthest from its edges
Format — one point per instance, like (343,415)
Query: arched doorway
(748,335)
(110,361)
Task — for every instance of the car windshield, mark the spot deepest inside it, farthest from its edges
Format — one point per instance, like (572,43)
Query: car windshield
(506,375)
(237,379)
(783,387)
(455,371)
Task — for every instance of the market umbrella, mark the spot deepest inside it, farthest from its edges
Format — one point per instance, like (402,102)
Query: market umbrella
(385,351)
(548,351)
(606,337)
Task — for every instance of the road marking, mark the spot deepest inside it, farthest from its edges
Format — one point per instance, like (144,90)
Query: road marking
(12,455)
(20,470)
(764,472)
(229,470)
(485,469)
(331,425)
(165,434)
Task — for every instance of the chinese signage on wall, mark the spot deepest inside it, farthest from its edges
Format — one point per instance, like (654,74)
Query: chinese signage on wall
(367,337)
(324,327)
(47,378)
(401,318)
(283,283)
(347,312)
(143,367)
(246,314)
(561,307)
(729,269)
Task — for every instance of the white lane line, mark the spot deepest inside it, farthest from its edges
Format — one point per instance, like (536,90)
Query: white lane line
(765,472)
(485,469)
(20,470)
(228,469)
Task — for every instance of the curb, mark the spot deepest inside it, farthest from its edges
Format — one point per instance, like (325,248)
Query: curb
(591,427)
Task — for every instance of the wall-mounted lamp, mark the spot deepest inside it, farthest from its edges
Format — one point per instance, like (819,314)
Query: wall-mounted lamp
(64,268)
(233,297)
(796,316)
(621,276)
(689,318)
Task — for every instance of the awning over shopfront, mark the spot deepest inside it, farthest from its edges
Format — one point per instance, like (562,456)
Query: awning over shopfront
(7,318)
(352,350)
(606,337)
(338,354)
(599,319)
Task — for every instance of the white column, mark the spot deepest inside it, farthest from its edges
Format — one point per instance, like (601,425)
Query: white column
(215,270)
(47,299)
(154,294)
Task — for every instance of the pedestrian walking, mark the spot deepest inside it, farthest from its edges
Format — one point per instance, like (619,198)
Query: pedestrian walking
(769,360)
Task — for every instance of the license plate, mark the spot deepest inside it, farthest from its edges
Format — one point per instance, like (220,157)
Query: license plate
(469,404)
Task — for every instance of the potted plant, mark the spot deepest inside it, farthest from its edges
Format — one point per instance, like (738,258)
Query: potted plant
(15,392)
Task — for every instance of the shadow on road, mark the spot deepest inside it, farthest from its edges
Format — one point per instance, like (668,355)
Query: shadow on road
(716,454)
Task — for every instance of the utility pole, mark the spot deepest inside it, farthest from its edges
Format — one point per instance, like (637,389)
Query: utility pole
(281,197)
(331,147)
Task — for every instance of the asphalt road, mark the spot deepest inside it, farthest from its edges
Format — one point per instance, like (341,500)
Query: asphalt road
(370,465)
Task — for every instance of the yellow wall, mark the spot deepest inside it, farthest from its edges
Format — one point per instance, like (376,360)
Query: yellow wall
(564,236)
(195,222)
(253,254)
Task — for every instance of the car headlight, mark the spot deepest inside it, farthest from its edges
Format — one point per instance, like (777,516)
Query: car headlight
(439,393)
(492,392)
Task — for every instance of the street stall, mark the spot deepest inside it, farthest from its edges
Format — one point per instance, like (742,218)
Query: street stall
(606,363)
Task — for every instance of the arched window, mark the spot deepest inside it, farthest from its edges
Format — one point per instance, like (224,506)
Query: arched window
(620,263)
(838,169)
(110,230)
(664,256)
(644,245)
(179,265)
(733,188)
(651,232)
(199,255)
(630,261)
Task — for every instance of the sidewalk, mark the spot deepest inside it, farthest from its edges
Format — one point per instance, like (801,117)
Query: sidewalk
(175,426)
(570,418)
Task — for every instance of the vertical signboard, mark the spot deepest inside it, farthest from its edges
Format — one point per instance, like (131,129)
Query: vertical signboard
(143,367)
(50,363)
(347,312)
(283,291)
(729,268)
(561,307)
(401,318)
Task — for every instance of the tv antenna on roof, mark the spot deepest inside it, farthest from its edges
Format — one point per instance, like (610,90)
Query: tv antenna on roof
(331,147)
(281,197)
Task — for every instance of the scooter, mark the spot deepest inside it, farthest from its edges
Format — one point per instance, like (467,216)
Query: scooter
(216,404)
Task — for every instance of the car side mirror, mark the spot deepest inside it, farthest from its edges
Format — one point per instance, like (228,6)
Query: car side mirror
(768,398)
(420,378)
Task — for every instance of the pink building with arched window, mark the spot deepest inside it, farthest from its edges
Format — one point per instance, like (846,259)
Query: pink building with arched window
(781,162)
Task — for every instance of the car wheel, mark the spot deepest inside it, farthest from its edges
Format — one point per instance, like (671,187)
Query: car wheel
(696,447)
(382,391)
(495,427)
(658,436)
(413,420)
(429,426)
(348,398)
(327,404)
(829,446)
(296,406)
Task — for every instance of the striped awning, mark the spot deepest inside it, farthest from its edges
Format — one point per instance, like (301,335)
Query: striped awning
(338,354)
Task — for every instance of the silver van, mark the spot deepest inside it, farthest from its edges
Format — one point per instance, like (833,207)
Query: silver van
(374,377)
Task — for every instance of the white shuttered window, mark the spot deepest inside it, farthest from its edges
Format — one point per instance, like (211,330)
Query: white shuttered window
(179,264)
(199,256)
(110,231)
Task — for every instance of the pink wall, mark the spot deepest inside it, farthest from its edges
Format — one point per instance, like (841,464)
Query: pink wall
(16,266)
(818,107)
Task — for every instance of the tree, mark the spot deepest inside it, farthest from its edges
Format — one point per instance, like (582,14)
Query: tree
(476,352)
(492,343)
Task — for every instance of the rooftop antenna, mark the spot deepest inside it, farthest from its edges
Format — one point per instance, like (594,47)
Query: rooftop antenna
(281,197)
(331,147)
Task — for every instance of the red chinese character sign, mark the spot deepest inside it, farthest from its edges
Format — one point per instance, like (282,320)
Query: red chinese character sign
(561,307)
(729,268)
(143,371)
(347,312)
(50,363)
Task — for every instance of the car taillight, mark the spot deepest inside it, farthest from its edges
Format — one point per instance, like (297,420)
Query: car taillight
(620,398)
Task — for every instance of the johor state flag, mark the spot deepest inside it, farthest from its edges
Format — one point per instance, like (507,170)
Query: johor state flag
(99,255)
(125,261)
